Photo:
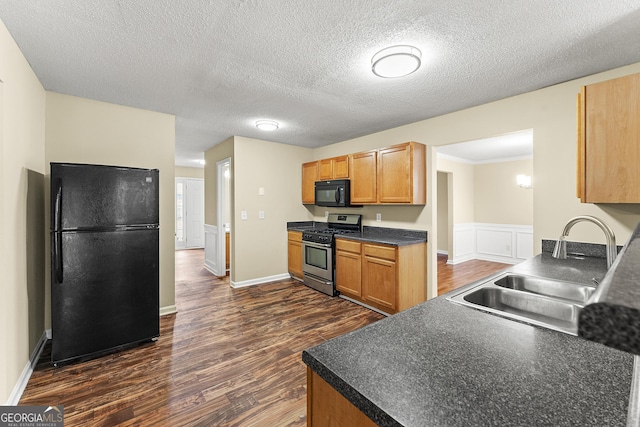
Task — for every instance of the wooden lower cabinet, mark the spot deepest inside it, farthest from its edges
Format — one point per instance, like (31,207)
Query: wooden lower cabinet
(328,408)
(379,280)
(388,278)
(349,268)
(294,246)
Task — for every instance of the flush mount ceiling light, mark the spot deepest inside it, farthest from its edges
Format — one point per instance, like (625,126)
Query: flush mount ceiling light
(267,125)
(396,61)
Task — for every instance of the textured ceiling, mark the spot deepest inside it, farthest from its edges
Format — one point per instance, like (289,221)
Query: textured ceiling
(221,65)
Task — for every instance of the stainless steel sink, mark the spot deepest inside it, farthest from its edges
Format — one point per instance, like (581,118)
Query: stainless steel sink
(553,288)
(535,300)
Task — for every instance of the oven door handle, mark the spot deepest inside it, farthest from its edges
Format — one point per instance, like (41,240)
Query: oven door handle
(317,245)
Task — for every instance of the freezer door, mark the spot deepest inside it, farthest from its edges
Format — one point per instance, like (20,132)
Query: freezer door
(93,196)
(107,292)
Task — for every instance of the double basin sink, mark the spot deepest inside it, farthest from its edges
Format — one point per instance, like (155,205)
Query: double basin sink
(549,303)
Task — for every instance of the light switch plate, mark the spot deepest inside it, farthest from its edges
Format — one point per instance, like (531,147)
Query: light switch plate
(260,191)
(261,215)
(243,215)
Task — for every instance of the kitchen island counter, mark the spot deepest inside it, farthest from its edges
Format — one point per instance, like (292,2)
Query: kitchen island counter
(440,363)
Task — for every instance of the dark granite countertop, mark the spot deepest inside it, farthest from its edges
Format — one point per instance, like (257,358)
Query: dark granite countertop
(388,236)
(444,364)
(612,314)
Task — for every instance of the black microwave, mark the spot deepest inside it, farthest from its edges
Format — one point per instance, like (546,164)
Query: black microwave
(335,193)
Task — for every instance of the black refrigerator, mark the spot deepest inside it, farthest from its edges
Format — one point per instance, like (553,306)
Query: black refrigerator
(104,259)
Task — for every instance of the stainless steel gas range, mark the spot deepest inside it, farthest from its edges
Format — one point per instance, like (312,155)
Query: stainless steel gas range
(318,250)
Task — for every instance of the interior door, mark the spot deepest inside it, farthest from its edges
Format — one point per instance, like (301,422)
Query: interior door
(189,213)
(181,237)
(194,213)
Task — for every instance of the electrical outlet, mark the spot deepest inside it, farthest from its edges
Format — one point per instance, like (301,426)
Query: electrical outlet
(326,214)
(261,215)
(243,215)
(378,217)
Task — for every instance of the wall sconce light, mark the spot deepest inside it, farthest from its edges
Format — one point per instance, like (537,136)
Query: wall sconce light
(524,181)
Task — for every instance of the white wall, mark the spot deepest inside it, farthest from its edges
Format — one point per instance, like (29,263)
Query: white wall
(22,140)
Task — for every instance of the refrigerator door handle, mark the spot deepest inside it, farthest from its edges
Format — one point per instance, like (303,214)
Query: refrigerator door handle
(57,256)
(57,210)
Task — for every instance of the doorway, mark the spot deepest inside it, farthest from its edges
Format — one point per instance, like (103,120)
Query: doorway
(189,204)
(224,215)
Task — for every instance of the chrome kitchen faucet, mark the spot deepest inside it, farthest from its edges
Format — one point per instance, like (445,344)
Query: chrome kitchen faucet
(560,250)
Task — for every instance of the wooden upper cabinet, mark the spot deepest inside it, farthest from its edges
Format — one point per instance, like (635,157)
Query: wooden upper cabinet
(609,141)
(363,177)
(309,178)
(391,175)
(402,174)
(333,168)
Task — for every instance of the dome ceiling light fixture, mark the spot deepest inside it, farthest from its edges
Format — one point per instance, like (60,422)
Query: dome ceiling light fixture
(267,125)
(396,61)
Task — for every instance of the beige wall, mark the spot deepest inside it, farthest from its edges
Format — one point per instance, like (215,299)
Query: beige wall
(184,172)
(498,199)
(443,211)
(22,163)
(215,154)
(463,189)
(80,130)
(259,246)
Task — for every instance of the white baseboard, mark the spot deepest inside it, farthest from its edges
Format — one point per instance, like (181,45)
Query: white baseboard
(169,309)
(442,252)
(259,280)
(23,380)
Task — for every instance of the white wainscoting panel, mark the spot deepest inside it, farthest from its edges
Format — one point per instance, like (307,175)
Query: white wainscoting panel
(464,243)
(504,243)
(211,250)
(524,244)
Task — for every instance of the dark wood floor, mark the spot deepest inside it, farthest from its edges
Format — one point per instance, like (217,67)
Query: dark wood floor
(451,277)
(229,357)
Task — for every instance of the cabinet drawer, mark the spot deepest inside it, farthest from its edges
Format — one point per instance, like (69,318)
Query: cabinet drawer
(296,236)
(383,252)
(348,246)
